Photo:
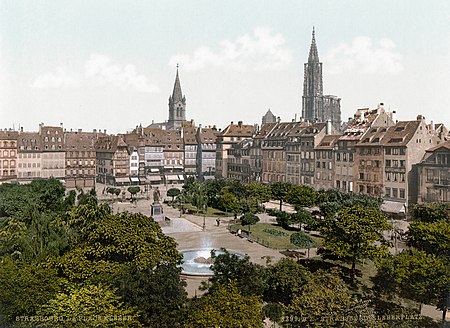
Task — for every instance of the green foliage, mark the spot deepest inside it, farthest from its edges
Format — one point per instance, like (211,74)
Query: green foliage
(286,279)
(431,213)
(24,287)
(415,275)
(157,293)
(133,190)
(302,240)
(301,196)
(226,307)
(89,306)
(113,191)
(283,219)
(433,238)
(111,240)
(173,192)
(228,203)
(280,191)
(249,219)
(259,191)
(250,278)
(353,234)
(320,301)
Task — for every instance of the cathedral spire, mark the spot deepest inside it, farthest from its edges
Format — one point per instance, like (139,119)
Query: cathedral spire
(313,53)
(177,94)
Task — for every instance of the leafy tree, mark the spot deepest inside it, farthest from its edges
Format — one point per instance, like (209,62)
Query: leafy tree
(416,275)
(249,219)
(286,279)
(301,196)
(89,306)
(259,191)
(250,278)
(12,231)
(229,202)
(279,191)
(173,192)
(353,235)
(226,307)
(24,287)
(107,243)
(431,213)
(283,219)
(324,298)
(133,190)
(433,238)
(157,293)
(236,188)
(302,217)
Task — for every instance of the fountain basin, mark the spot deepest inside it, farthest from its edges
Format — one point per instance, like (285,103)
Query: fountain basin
(197,262)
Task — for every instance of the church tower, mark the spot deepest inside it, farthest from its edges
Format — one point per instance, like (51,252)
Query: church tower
(312,84)
(177,106)
(315,105)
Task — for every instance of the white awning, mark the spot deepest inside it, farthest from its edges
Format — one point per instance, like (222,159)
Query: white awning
(172,177)
(181,177)
(134,179)
(122,180)
(393,207)
(154,170)
(154,178)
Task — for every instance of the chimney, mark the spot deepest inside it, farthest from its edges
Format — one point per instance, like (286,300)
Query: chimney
(95,130)
(394,116)
(240,124)
(380,108)
(232,122)
(328,128)
(278,119)
(79,130)
(21,129)
(432,128)
(104,131)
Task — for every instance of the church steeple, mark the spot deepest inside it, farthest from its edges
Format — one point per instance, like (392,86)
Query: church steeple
(177,105)
(177,94)
(313,53)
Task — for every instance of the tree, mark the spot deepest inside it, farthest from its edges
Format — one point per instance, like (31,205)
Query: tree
(250,278)
(324,298)
(133,190)
(352,235)
(24,287)
(433,212)
(301,196)
(157,293)
(279,191)
(286,279)
(229,202)
(226,307)
(91,305)
(258,191)
(416,275)
(302,217)
(433,238)
(173,192)
(109,241)
(249,219)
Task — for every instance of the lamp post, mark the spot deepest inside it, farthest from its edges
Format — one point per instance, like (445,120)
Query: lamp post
(204,222)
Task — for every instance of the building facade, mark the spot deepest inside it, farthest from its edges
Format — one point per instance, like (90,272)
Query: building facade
(8,156)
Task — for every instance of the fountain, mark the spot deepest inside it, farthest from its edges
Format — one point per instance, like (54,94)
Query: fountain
(197,262)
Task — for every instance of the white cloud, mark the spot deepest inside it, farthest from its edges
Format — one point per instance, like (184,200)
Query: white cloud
(259,52)
(99,70)
(60,79)
(364,56)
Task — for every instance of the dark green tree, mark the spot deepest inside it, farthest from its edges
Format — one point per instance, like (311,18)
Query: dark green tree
(249,219)
(133,190)
(301,196)
(352,236)
(173,192)
(431,237)
(280,191)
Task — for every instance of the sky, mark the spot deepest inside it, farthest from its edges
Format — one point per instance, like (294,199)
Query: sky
(110,64)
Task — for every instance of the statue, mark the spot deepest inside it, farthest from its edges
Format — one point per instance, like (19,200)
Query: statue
(156,195)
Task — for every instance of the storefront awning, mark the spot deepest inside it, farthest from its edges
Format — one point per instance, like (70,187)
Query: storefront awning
(122,180)
(154,178)
(393,207)
(172,177)
(181,178)
(154,170)
(134,179)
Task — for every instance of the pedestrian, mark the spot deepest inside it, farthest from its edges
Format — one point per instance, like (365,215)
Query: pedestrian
(218,222)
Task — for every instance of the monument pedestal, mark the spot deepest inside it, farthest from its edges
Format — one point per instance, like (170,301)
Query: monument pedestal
(157,211)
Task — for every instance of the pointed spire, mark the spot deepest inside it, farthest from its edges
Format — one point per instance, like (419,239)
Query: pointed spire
(177,94)
(313,53)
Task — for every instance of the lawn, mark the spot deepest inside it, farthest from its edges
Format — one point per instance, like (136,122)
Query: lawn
(272,236)
(210,211)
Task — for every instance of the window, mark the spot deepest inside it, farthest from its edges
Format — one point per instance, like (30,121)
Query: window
(338,184)
(361,176)
(387,151)
(402,193)
(395,192)
(387,192)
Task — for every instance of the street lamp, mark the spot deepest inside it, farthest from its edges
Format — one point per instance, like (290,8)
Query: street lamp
(204,222)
